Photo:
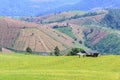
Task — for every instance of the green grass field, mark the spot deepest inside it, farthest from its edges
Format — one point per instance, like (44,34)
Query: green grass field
(31,67)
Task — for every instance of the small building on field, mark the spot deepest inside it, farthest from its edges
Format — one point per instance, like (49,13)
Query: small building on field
(89,53)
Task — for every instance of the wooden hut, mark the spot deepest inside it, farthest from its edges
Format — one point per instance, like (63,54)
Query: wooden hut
(88,53)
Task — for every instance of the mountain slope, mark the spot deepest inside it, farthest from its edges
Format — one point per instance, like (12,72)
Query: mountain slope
(111,20)
(18,35)
(75,30)
(91,29)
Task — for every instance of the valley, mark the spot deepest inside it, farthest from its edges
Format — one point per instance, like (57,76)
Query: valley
(59,40)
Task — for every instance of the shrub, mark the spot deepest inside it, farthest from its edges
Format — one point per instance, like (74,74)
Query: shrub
(51,54)
(56,51)
(74,51)
(29,50)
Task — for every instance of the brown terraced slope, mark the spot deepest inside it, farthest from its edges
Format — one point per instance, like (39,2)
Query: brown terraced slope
(19,35)
(98,30)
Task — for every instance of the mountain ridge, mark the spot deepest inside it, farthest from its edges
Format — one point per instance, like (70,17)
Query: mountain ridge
(38,8)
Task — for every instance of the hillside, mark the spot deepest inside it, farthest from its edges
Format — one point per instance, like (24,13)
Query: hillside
(30,67)
(112,19)
(18,35)
(91,30)
(87,28)
(57,17)
(73,17)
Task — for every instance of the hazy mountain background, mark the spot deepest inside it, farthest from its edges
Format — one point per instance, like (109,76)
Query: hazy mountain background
(42,7)
(30,7)
(88,5)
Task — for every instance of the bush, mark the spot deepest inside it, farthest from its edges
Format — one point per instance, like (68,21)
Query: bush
(56,51)
(29,50)
(74,51)
(51,54)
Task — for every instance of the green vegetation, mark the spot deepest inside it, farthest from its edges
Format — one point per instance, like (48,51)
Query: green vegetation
(67,30)
(74,51)
(78,12)
(57,17)
(62,16)
(29,50)
(87,14)
(112,19)
(0,48)
(56,51)
(29,67)
(109,44)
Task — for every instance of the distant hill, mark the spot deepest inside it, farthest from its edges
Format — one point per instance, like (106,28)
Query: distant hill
(43,7)
(18,35)
(97,4)
(87,5)
(98,30)
(30,7)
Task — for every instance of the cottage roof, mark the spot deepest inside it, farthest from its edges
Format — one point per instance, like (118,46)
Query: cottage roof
(80,54)
(91,51)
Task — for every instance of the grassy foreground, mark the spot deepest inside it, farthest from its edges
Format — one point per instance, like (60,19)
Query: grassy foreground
(30,67)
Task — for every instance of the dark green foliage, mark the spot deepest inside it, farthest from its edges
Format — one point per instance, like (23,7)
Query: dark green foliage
(0,48)
(112,19)
(58,20)
(56,51)
(89,22)
(29,50)
(65,29)
(51,53)
(86,43)
(74,51)
(76,16)
(109,44)
(85,15)
(90,14)
(80,42)
(57,26)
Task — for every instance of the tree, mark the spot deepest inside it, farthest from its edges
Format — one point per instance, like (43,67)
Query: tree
(29,50)
(74,51)
(0,49)
(56,51)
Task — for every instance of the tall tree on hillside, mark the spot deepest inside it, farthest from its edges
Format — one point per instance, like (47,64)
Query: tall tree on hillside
(56,51)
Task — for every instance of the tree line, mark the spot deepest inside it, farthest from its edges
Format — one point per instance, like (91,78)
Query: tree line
(56,52)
